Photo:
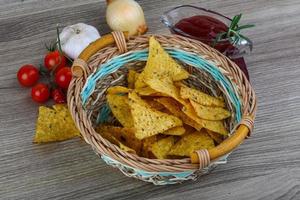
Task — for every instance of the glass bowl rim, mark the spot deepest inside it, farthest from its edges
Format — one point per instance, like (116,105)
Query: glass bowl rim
(172,27)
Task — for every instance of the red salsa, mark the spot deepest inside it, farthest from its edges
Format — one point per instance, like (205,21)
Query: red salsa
(205,29)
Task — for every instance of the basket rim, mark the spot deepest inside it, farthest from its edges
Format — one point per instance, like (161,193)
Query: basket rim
(179,164)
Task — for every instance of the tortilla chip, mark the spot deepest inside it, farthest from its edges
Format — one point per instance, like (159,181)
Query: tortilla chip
(55,124)
(107,135)
(112,139)
(200,97)
(179,84)
(147,145)
(175,108)
(210,113)
(161,148)
(189,129)
(126,148)
(120,109)
(215,126)
(135,98)
(192,142)
(60,107)
(118,90)
(131,78)
(175,131)
(149,122)
(124,135)
(165,86)
(160,65)
(154,104)
(215,136)
(146,91)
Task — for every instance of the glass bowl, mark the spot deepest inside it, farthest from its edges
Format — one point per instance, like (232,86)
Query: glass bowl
(225,46)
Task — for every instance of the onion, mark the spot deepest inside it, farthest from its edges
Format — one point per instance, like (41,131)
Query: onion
(126,15)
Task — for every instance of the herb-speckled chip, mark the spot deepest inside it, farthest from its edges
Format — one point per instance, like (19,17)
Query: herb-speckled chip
(120,108)
(160,65)
(161,148)
(175,108)
(192,142)
(147,121)
(118,90)
(54,124)
(215,126)
(210,112)
(124,135)
(179,130)
(200,97)
(166,87)
(131,78)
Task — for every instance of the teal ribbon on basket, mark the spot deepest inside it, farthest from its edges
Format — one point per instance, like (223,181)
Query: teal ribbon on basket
(186,57)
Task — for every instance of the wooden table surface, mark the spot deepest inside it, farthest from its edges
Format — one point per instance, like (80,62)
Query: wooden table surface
(266,166)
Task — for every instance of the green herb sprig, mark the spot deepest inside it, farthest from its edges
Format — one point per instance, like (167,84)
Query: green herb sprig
(233,32)
(59,44)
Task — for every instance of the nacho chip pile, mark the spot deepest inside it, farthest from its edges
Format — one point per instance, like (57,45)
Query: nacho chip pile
(161,117)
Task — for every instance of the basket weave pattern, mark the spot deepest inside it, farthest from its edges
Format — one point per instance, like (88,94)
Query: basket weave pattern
(86,114)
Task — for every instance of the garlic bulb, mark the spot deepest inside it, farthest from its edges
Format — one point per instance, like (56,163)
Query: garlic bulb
(126,15)
(74,39)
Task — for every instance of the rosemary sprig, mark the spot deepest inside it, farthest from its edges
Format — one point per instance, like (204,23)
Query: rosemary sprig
(233,32)
(59,44)
(58,39)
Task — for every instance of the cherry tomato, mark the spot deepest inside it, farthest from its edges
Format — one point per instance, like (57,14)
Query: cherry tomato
(58,96)
(28,75)
(40,93)
(63,77)
(54,60)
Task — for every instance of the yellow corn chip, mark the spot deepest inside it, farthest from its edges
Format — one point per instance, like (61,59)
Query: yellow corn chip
(192,142)
(124,135)
(215,126)
(55,125)
(147,91)
(210,113)
(189,129)
(112,139)
(60,107)
(174,107)
(215,136)
(179,84)
(107,135)
(131,78)
(161,147)
(160,65)
(147,145)
(126,148)
(175,131)
(120,108)
(200,97)
(135,98)
(165,86)
(149,122)
(118,90)
(154,104)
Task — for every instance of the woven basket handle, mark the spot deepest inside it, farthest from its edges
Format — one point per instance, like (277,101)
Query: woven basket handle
(242,132)
(203,157)
(79,66)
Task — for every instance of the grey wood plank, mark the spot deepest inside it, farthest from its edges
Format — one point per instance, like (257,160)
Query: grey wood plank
(266,166)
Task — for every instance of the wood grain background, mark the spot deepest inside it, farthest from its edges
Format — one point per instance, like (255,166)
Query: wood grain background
(266,166)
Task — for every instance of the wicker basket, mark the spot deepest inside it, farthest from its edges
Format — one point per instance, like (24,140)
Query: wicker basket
(105,63)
